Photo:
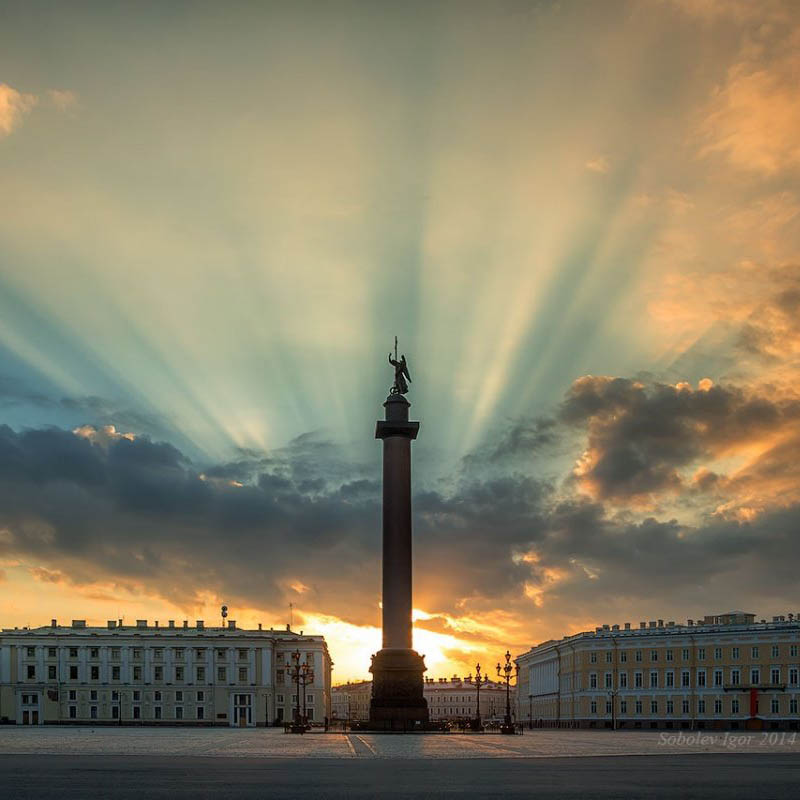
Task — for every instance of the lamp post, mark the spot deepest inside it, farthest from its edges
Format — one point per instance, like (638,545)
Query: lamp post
(504,672)
(300,675)
(530,712)
(480,680)
(293,671)
(306,677)
(613,695)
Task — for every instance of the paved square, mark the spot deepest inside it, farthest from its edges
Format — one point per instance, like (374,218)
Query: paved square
(51,763)
(274,743)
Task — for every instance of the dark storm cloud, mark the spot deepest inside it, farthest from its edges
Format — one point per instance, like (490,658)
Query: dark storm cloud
(524,439)
(720,561)
(640,436)
(140,512)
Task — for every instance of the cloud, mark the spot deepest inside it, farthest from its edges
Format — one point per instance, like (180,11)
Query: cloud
(642,439)
(62,99)
(103,435)
(14,105)
(47,575)
(753,118)
(94,509)
(599,164)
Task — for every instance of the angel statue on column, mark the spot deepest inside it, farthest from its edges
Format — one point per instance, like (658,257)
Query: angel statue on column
(401,376)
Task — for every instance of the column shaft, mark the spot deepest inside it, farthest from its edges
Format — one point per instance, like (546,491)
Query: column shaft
(397,624)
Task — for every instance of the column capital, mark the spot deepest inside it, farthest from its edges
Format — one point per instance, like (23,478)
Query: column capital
(386,428)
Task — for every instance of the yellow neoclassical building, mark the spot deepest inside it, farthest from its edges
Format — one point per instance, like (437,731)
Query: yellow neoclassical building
(724,671)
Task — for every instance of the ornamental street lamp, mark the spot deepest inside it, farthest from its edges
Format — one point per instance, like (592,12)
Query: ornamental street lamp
(480,680)
(306,677)
(613,695)
(300,675)
(505,674)
(530,712)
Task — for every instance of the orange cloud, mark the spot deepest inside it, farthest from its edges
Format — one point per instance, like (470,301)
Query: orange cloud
(103,435)
(754,117)
(14,106)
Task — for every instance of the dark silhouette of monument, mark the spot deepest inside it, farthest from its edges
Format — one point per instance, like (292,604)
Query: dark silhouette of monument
(397,684)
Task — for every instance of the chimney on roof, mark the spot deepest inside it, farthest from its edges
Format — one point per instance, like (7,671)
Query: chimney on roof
(112,623)
(79,623)
(642,625)
(231,624)
(141,623)
(259,626)
(119,622)
(200,624)
(171,623)
(185,624)
(690,622)
(53,623)
(287,627)
(627,626)
(661,623)
(615,627)
(156,623)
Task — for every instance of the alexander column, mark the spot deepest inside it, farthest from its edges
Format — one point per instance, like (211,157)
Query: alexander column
(397,684)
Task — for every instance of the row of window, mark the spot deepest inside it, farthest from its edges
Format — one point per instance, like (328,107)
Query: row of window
(158,697)
(735,706)
(136,712)
(467,698)
(669,655)
(136,696)
(735,676)
(136,652)
(116,672)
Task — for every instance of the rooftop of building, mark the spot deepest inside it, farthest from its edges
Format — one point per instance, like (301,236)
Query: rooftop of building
(456,681)
(143,626)
(352,686)
(729,621)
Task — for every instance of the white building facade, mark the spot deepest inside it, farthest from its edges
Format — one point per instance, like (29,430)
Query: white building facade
(351,701)
(158,675)
(455,699)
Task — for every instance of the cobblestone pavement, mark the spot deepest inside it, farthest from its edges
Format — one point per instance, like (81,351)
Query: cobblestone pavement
(273,743)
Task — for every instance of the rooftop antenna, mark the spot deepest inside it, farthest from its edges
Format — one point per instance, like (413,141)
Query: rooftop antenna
(291,620)
(395,348)
(223,613)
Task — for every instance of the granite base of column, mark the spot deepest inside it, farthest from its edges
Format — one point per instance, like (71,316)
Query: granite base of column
(398,702)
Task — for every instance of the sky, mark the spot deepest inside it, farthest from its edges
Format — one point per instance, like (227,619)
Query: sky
(581,220)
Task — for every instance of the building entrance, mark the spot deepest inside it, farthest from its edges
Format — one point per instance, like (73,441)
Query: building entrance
(243,710)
